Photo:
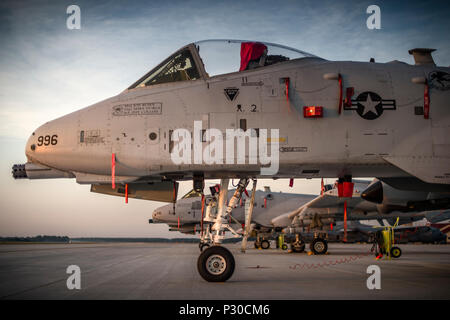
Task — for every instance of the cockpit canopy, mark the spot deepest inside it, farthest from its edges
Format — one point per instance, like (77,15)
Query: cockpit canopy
(226,56)
(209,58)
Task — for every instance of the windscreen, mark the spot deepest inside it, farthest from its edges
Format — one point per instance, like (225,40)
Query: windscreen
(178,67)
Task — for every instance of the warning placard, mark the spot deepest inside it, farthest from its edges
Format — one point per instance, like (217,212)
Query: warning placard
(137,109)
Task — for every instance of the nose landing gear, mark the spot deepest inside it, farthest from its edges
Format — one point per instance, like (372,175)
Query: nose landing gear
(216,263)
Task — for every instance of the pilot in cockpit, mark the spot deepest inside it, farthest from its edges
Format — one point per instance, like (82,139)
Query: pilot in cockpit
(254,55)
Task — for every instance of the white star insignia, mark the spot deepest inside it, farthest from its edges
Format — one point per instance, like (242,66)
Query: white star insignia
(369,105)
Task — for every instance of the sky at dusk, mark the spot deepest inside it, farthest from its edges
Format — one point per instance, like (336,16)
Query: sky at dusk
(47,71)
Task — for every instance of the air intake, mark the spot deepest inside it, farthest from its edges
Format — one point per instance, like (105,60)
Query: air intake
(422,56)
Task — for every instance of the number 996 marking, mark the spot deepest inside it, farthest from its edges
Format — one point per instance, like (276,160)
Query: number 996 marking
(47,140)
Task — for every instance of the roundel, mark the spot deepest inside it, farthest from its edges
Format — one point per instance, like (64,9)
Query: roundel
(369,105)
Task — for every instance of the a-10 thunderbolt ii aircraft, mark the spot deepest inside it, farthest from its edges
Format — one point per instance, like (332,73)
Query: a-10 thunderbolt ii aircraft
(358,232)
(296,214)
(302,116)
(186,214)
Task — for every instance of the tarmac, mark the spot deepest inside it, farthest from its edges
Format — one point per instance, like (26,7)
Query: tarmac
(169,271)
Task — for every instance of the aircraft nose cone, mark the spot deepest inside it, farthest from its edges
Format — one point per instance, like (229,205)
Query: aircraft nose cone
(30,147)
(156,216)
(373,193)
(37,142)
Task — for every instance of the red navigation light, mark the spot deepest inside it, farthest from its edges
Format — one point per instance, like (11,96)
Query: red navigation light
(312,112)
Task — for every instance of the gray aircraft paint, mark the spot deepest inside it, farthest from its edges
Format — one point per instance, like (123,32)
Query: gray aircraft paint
(136,124)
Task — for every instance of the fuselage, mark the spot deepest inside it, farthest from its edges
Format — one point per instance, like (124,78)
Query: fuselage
(392,140)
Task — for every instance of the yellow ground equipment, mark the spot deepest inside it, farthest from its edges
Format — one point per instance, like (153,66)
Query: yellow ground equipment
(281,244)
(384,242)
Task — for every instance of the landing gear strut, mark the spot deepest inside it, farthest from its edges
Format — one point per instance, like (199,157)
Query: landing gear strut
(216,263)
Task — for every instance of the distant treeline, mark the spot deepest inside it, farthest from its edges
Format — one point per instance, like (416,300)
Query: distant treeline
(65,239)
(36,239)
(173,240)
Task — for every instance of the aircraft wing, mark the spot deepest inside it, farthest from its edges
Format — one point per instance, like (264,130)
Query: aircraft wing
(327,205)
(437,216)
(433,170)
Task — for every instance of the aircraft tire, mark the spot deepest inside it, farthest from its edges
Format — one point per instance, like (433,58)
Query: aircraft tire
(257,245)
(265,244)
(284,246)
(204,246)
(319,246)
(396,252)
(298,247)
(216,264)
